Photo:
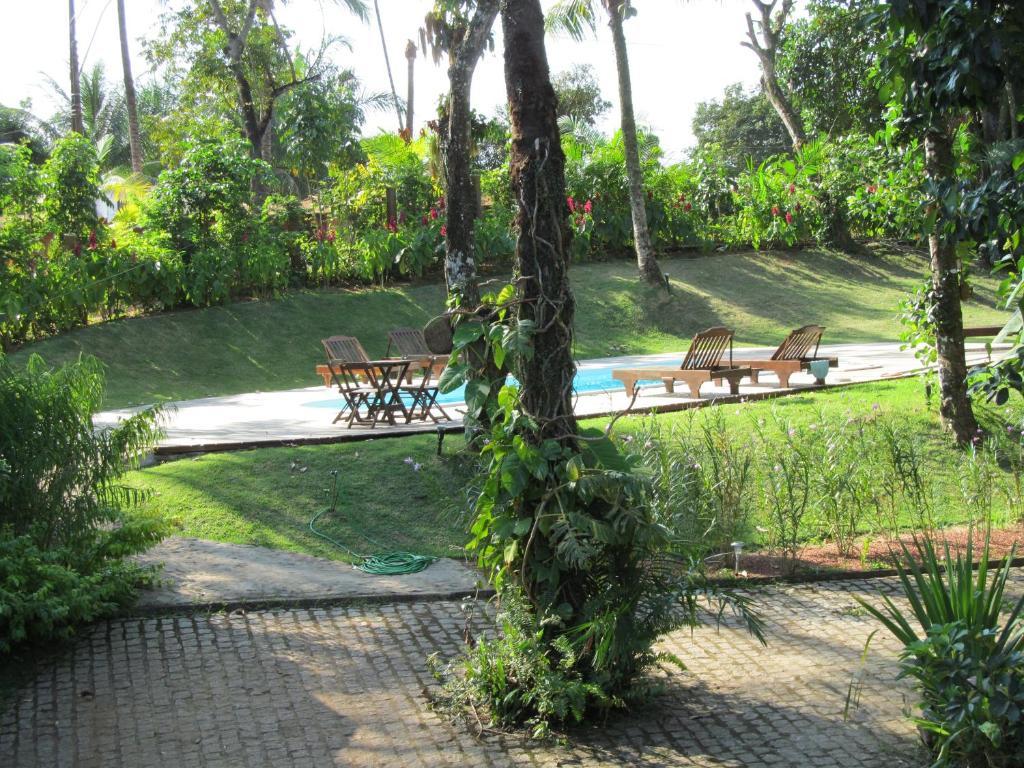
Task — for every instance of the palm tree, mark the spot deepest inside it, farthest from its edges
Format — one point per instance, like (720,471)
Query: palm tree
(76,93)
(131,104)
(387,63)
(574,17)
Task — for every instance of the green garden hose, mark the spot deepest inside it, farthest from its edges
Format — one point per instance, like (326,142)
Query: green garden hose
(389,564)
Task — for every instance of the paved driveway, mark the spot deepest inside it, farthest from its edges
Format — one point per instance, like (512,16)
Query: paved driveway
(345,687)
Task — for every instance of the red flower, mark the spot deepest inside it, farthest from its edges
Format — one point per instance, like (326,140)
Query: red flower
(871,189)
(687,207)
(444,230)
(789,217)
(433,213)
(588,207)
(330,236)
(392,225)
(797,207)
(441,203)
(425,221)
(792,189)
(682,197)
(93,243)
(571,203)
(775,210)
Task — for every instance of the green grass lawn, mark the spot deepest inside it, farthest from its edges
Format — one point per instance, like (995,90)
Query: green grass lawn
(267,496)
(271,345)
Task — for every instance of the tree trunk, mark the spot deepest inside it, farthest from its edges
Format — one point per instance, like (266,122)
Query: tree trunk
(387,63)
(1011,106)
(460,243)
(645,259)
(785,110)
(77,123)
(542,243)
(131,104)
(955,405)
(410,55)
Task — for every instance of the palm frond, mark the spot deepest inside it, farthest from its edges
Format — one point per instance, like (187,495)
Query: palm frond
(572,17)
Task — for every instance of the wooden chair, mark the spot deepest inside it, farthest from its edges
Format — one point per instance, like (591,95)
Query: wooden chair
(411,343)
(796,353)
(368,387)
(703,363)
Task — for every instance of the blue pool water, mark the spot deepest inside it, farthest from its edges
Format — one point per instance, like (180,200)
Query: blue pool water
(588,380)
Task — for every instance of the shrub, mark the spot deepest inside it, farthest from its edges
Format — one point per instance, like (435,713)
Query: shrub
(64,535)
(967,659)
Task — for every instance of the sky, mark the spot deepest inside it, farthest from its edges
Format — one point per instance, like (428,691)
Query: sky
(681,52)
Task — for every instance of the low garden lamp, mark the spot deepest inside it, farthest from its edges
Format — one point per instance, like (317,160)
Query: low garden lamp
(737,549)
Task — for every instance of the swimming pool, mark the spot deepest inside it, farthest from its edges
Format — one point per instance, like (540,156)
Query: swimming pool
(589,380)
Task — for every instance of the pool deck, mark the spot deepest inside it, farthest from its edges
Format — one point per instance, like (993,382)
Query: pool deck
(303,416)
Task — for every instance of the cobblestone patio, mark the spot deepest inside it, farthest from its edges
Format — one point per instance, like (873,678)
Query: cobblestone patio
(345,687)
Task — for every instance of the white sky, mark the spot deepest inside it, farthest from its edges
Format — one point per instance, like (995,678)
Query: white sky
(681,52)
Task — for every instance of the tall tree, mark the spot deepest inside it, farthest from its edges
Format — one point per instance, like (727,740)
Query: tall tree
(387,64)
(76,84)
(131,103)
(235,51)
(462,30)
(946,58)
(579,95)
(537,166)
(573,16)
(410,56)
(767,46)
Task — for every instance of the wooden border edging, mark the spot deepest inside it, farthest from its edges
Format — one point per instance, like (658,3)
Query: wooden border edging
(447,429)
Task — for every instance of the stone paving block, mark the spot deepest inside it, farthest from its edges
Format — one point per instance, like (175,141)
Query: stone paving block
(344,686)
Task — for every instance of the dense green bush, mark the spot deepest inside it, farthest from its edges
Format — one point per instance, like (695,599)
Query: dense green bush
(210,230)
(64,537)
(967,658)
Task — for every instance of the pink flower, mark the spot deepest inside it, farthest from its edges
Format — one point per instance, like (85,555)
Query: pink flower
(789,217)
(571,203)
(444,230)
(425,221)
(392,225)
(588,207)
(433,213)
(792,189)
(330,236)
(775,210)
(441,202)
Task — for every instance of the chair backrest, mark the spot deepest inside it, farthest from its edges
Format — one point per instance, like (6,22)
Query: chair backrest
(408,342)
(801,343)
(707,348)
(344,349)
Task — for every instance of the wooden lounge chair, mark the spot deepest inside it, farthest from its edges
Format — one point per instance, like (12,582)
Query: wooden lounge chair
(703,363)
(796,353)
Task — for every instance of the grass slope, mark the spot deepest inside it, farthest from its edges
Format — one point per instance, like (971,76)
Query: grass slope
(264,497)
(271,345)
